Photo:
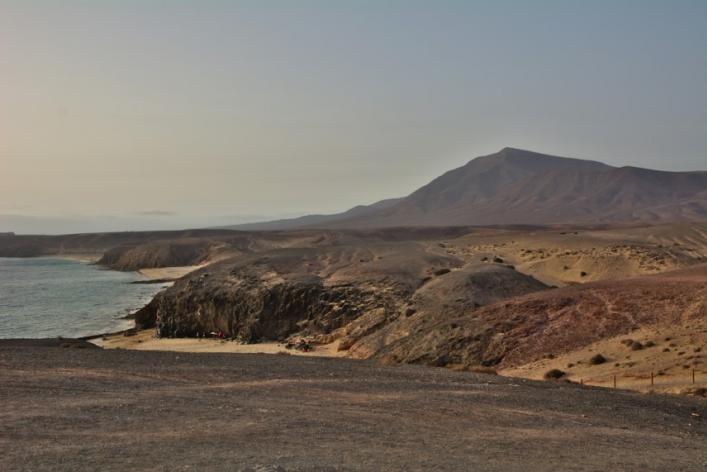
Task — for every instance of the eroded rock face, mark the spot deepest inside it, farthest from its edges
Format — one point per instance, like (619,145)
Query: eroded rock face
(371,299)
(309,292)
(429,333)
(250,311)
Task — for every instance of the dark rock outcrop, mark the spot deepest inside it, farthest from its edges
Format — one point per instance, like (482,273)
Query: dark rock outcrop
(313,292)
(157,254)
(370,299)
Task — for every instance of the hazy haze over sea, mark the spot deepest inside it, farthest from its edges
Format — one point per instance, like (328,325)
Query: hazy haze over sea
(48,297)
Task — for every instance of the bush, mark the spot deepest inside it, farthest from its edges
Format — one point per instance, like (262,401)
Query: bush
(554,374)
(480,369)
(597,359)
(636,346)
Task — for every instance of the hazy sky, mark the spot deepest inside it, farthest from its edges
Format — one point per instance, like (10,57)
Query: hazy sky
(269,108)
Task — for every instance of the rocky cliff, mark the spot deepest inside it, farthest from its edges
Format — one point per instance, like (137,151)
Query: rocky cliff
(367,298)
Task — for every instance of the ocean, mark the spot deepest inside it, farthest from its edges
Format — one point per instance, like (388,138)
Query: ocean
(48,297)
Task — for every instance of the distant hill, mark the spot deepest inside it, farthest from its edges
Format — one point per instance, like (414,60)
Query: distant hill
(514,186)
(311,221)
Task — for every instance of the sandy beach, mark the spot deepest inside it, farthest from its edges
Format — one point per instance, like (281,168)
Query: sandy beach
(145,340)
(173,273)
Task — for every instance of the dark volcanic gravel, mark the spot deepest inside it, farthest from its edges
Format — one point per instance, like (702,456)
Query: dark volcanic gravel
(91,409)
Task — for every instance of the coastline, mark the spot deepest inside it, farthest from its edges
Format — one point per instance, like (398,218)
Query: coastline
(144,340)
(165,276)
(89,258)
(121,321)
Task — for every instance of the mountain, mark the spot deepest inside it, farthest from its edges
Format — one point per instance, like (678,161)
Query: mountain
(515,186)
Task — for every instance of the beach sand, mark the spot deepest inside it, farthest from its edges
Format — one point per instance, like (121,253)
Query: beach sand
(168,272)
(145,340)
(89,258)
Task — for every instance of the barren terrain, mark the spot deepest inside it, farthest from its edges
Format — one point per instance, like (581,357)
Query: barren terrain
(521,300)
(114,410)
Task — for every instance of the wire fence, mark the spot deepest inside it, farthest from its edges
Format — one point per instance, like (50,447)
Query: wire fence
(692,377)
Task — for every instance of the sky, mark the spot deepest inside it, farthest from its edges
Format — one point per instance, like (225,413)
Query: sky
(139,114)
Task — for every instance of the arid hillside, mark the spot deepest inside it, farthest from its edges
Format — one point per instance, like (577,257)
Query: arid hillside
(545,324)
(482,299)
(502,298)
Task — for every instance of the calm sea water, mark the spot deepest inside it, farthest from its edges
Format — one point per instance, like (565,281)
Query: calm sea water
(48,297)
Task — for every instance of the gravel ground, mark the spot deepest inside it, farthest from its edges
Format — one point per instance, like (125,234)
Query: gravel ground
(114,410)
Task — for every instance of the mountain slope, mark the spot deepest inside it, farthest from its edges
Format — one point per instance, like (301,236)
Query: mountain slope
(514,186)
(307,221)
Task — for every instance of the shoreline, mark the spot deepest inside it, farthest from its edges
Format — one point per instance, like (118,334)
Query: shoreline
(164,276)
(88,258)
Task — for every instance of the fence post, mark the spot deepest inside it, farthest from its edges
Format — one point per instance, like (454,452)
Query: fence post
(693,375)
(651,378)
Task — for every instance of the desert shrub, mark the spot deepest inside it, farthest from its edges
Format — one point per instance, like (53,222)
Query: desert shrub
(636,346)
(480,369)
(554,374)
(597,359)
(649,344)
(583,274)
(627,342)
